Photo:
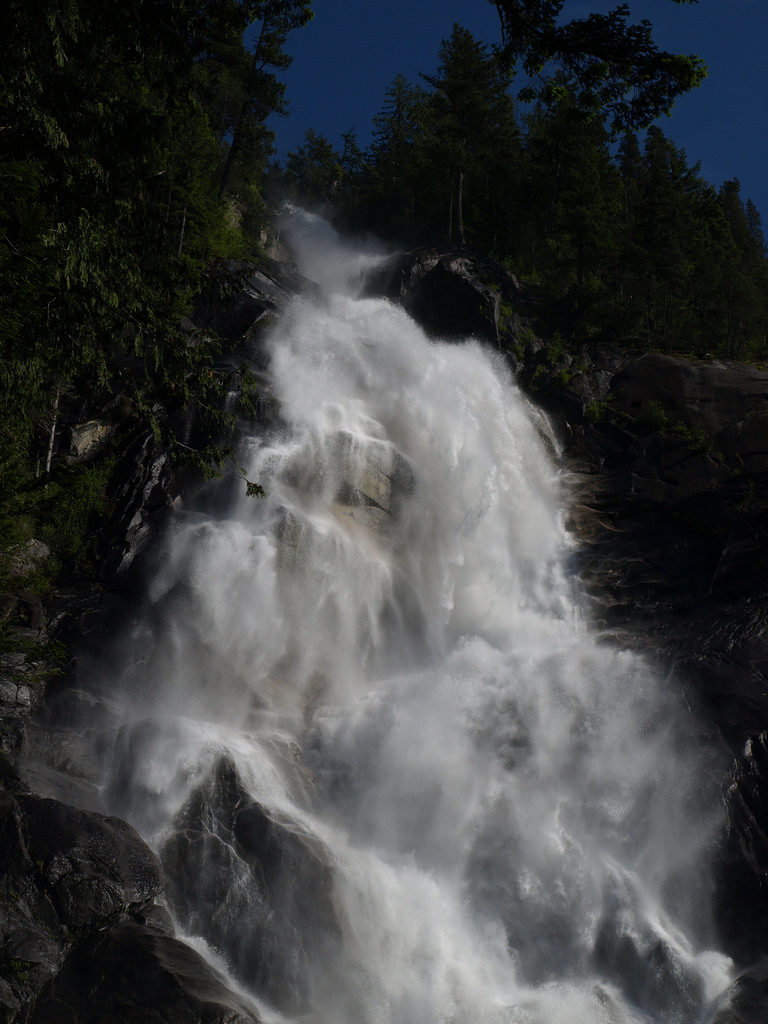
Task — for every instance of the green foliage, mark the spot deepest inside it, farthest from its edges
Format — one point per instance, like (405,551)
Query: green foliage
(133,150)
(651,417)
(73,503)
(609,66)
(595,410)
(314,170)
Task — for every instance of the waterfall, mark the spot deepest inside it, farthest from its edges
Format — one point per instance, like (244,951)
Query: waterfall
(394,774)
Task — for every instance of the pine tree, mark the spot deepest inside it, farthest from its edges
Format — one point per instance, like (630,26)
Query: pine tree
(473,118)
(609,66)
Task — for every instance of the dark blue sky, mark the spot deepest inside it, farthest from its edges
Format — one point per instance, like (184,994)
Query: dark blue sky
(348,54)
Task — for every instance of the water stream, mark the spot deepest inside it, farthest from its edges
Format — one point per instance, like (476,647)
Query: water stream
(391,769)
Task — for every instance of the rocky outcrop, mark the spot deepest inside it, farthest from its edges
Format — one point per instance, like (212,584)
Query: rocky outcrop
(129,972)
(64,874)
(229,860)
(91,438)
(240,297)
(453,292)
(669,497)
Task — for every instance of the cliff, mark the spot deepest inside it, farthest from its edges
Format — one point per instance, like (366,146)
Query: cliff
(667,462)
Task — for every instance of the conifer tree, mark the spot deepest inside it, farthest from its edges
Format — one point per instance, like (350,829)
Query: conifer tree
(473,116)
(608,65)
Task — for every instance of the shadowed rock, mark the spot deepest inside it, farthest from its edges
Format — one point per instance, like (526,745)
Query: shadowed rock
(452,292)
(130,973)
(257,890)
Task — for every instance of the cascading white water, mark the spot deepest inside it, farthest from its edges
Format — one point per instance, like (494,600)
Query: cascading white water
(503,819)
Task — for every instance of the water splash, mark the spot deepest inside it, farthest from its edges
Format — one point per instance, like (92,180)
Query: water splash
(373,721)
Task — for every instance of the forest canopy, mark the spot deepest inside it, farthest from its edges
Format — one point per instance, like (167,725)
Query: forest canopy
(614,233)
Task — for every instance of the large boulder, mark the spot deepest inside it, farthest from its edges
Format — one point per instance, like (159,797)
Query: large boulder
(64,874)
(255,886)
(452,291)
(94,868)
(746,999)
(129,973)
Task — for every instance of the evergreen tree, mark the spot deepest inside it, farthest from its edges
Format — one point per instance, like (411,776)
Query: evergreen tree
(473,118)
(313,171)
(606,64)
(115,133)
(398,204)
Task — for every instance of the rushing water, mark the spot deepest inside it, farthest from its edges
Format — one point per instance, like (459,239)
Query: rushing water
(475,812)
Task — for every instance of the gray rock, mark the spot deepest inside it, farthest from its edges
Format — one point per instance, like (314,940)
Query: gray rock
(91,438)
(130,973)
(95,868)
(746,1000)
(29,558)
(255,888)
(452,291)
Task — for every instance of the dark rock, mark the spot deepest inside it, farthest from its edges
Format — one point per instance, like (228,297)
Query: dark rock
(453,292)
(239,297)
(647,969)
(94,868)
(743,863)
(253,887)
(148,488)
(746,1000)
(670,499)
(130,973)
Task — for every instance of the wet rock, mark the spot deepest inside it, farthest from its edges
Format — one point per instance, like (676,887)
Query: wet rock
(148,488)
(130,973)
(742,867)
(254,886)
(648,970)
(369,480)
(373,472)
(746,1000)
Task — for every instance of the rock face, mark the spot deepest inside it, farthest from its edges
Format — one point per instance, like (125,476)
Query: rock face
(671,499)
(128,973)
(240,296)
(746,1001)
(669,496)
(65,875)
(229,860)
(453,292)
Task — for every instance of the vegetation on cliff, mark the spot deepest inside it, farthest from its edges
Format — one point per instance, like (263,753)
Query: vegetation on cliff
(134,144)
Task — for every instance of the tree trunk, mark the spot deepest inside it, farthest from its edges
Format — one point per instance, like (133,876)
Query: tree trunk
(234,148)
(52,436)
(181,233)
(460,208)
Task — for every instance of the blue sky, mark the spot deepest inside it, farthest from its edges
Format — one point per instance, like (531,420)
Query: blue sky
(345,58)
